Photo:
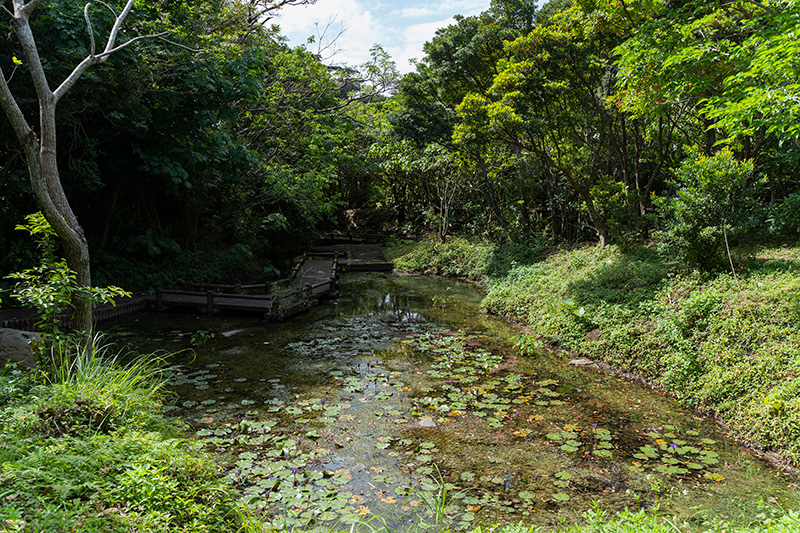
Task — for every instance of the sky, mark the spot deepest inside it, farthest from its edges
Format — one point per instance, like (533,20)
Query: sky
(400,26)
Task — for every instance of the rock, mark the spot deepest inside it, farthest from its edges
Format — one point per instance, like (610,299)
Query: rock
(427,423)
(232,332)
(594,335)
(431,272)
(582,361)
(14,347)
(389,318)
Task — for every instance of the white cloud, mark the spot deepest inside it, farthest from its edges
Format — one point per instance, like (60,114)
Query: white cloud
(360,30)
(414,37)
(444,9)
(366,23)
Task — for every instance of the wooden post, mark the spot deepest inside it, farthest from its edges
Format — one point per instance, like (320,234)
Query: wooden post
(159,299)
(209,303)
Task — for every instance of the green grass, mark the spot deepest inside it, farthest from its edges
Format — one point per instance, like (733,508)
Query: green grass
(720,342)
(85,448)
(458,257)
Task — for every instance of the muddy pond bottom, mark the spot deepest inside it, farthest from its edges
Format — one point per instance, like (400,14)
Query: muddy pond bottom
(403,403)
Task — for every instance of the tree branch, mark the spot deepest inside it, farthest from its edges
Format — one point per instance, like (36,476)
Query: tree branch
(26,9)
(173,43)
(89,21)
(90,60)
(112,37)
(12,110)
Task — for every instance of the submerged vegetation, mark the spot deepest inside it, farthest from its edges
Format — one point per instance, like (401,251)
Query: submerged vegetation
(723,342)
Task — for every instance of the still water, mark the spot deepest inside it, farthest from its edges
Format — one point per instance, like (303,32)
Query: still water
(401,402)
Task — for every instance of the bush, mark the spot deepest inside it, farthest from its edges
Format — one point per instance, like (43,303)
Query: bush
(87,449)
(706,207)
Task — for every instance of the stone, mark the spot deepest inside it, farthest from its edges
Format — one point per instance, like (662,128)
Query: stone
(427,423)
(15,347)
(582,361)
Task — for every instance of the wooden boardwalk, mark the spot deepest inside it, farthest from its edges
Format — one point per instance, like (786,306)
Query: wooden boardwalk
(315,277)
(358,257)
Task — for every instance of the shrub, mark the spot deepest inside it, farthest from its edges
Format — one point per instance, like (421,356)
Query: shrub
(704,209)
(87,449)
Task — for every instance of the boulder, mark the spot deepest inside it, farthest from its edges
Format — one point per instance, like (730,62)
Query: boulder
(427,423)
(15,347)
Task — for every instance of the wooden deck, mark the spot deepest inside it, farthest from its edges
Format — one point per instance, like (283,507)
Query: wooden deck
(312,279)
(358,256)
(315,277)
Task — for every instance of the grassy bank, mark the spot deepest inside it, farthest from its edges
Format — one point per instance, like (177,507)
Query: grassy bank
(85,448)
(725,343)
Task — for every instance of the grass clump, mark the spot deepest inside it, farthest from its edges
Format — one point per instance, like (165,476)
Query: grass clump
(598,521)
(723,342)
(85,448)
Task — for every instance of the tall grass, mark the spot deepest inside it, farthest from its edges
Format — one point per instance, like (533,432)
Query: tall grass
(95,371)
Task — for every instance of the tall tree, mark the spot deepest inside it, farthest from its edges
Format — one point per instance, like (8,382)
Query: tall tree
(40,147)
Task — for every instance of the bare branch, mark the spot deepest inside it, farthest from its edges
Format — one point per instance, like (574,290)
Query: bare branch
(22,129)
(102,57)
(90,60)
(321,38)
(27,9)
(11,77)
(89,22)
(179,45)
(112,37)
(89,28)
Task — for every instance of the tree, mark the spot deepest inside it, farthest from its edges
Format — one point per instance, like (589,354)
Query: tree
(39,142)
(41,148)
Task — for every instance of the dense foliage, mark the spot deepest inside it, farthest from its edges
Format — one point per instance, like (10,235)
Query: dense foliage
(589,117)
(225,148)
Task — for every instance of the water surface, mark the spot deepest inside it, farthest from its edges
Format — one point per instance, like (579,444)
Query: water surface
(402,400)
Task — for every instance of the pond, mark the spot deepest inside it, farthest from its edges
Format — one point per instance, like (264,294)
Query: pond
(401,402)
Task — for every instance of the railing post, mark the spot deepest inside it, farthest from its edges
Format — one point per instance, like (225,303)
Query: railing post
(209,303)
